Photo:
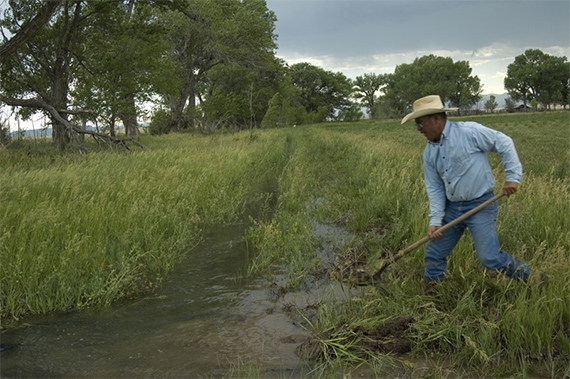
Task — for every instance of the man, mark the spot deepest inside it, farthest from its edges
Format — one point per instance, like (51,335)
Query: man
(458,178)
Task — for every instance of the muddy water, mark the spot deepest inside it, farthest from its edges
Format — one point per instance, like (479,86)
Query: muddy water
(206,321)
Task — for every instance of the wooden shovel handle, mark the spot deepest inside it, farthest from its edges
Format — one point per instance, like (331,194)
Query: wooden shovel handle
(445,227)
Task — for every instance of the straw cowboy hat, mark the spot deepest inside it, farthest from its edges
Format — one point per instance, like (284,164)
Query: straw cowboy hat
(425,106)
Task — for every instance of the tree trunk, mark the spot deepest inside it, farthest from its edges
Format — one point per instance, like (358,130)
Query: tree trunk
(61,133)
(177,109)
(129,119)
(61,136)
(112,125)
(187,95)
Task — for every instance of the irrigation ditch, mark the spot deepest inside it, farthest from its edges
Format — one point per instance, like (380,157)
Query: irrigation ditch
(209,319)
(334,201)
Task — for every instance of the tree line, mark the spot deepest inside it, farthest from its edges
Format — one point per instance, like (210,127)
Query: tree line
(206,64)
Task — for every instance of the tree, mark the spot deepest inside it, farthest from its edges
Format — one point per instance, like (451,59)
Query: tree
(467,88)
(537,75)
(510,105)
(322,93)
(351,112)
(552,78)
(284,108)
(110,56)
(39,74)
(41,67)
(238,95)
(124,62)
(29,28)
(491,104)
(366,87)
(431,75)
(208,33)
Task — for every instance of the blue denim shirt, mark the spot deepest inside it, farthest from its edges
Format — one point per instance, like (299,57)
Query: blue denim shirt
(457,169)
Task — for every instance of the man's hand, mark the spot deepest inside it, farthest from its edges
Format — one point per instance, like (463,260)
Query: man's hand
(509,188)
(433,233)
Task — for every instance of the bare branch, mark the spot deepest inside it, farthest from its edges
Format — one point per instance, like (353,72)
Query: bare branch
(73,130)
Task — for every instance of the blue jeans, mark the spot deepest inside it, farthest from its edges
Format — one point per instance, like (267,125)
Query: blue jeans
(482,226)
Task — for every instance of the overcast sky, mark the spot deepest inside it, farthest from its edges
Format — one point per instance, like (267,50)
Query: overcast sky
(359,36)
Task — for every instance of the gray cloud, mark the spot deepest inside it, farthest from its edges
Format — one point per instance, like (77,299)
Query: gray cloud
(360,27)
(357,36)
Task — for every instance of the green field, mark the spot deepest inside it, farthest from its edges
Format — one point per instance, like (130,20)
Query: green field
(80,230)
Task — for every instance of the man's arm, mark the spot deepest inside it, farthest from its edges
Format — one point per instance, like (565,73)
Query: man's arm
(437,198)
(490,140)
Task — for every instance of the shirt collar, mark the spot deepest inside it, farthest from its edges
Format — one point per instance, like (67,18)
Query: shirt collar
(444,133)
(446,128)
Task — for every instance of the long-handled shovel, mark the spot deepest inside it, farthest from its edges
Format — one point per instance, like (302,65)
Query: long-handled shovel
(401,253)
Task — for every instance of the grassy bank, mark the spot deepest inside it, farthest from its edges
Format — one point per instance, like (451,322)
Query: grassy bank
(368,178)
(85,230)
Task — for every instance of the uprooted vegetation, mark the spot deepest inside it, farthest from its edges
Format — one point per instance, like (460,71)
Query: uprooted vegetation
(342,340)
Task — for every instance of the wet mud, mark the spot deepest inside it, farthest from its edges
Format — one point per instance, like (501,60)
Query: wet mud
(351,265)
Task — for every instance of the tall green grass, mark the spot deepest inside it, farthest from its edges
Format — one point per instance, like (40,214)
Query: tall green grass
(370,174)
(87,230)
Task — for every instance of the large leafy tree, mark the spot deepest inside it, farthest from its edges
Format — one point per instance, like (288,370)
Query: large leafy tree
(124,62)
(284,108)
(537,75)
(466,89)
(429,75)
(238,95)
(366,88)
(38,73)
(208,33)
(62,68)
(322,93)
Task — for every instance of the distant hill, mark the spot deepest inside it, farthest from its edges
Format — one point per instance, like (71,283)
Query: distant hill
(32,132)
(48,131)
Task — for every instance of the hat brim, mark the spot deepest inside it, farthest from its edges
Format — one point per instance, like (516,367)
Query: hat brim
(425,112)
